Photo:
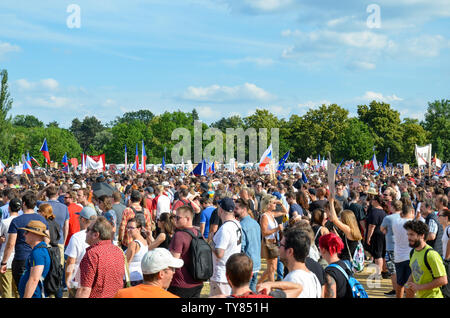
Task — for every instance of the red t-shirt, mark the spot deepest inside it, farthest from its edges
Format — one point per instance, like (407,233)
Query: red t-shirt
(102,269)
(180,243)
(74,221)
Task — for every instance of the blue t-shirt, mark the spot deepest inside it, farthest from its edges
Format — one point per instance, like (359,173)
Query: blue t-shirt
(295,207)
(61,213)
(205,216)
(251,241)
(38,256)
(387,224)
(22,249)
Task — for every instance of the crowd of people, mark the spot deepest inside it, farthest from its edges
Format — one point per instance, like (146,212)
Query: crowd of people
(119,234)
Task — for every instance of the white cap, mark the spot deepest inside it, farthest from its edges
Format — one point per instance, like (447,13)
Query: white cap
(165,184)
(76,186)
(158,259)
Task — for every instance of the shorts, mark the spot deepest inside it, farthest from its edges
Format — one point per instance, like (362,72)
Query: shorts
(218,288)
(403,272)
(377,246)
(390,262)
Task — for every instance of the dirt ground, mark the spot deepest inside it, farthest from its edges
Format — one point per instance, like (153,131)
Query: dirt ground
(374,288)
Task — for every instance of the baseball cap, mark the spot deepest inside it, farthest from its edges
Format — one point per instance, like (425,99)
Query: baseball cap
(158,259)
(227,204)
(277,195)
(76,186)
(111,217)
(86,212)
(165,184)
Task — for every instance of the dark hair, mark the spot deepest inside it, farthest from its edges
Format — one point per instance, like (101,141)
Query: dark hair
(418,227)
(107,202)
(169,222)
(10,193)
(239,269)
(135,196)
(51,191)
(299,241)
(317,216)
(29,199)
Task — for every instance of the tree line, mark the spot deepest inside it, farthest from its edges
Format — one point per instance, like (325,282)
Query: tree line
(329,128)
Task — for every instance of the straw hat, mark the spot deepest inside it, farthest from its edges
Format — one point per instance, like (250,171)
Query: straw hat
(36,227)
(372,191)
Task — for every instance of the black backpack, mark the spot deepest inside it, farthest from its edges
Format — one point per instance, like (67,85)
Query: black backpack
(446,288)
(53,281)
(201,257)
(139,215)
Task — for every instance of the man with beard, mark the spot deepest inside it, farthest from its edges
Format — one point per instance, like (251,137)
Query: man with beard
(427,268)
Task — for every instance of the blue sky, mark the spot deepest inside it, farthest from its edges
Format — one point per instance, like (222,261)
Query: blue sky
(223,57)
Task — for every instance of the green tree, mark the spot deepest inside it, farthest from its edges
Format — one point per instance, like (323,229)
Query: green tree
(101,140)
(53,124)
(86,131)
(28,121)
(128,134)
(142,115)
(356,142)
(318,131)
(384,125)
(228,122)
(414,134)
(437,122)
(5,122)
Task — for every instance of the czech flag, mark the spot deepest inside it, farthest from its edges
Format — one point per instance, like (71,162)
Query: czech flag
(144,158)
(27,165)
(2,167)
(136,160)
(44,150)
(212,167)
(441,172)
(200,169)
(65,163)
(32,158)
(265,158)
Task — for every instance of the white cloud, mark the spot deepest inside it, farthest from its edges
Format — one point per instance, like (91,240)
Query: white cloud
(218,94)
(51,101)
(280,111)
(427,45)
(109,102)
(259,6)
(259,61)
(361,65)
(207,112)
(46,84)
(49,83)
(6,47)
(313,104)
(370,96)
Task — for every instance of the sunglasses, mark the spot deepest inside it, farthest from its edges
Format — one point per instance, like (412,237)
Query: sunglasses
(178,217)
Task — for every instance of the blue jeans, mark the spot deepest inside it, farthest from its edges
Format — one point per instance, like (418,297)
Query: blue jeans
(280,269)
(253,282)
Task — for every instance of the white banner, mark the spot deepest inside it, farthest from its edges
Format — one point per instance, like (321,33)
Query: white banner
(91,164)
(423,155)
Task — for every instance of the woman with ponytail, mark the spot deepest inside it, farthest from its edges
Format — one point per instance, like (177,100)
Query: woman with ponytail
(336,285)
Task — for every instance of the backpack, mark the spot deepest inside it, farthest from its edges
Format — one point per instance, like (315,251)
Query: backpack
(446,288)
(357,288)
(52,283)
(201,257)
(140,216)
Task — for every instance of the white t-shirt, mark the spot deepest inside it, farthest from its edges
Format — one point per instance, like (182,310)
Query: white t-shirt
(401,244)
(445,240)
(309,281)
(76,249)
(163,205)
(229,238)
(4,227)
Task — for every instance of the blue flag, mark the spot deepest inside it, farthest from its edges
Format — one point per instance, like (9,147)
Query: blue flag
(200,169)
(163,165)
(384,162)
(283,161)
(304,178)
(337,169)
